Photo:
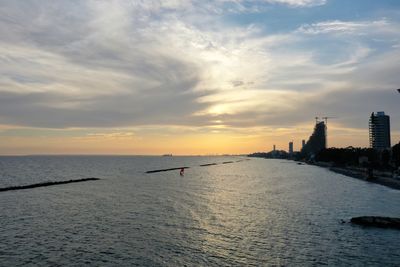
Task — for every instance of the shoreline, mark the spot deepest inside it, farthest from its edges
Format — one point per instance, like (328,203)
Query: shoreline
(360,175)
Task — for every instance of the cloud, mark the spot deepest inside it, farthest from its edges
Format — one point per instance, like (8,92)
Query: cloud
(344,27)
(237,83)
(130,64)
(299,3)
(113,135)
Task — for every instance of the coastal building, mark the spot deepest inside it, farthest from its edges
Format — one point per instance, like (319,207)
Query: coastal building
(291,147)
(379,131)
(317,140)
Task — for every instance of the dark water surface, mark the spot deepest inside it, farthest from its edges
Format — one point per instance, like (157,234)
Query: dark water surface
(257,212)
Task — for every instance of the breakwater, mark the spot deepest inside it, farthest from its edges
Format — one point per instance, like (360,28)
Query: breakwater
(377,221)
(22,187)
(202,165)
(165,170)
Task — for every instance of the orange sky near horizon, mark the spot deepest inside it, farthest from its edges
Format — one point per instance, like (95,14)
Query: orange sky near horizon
(128,142)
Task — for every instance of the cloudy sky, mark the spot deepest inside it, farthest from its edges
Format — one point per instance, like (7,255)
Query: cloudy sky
(193,76)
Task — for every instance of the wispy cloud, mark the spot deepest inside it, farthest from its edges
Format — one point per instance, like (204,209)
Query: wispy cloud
(113,135)
(299,3)
(344,27)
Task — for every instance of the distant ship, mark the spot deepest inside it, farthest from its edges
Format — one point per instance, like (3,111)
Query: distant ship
(167,155)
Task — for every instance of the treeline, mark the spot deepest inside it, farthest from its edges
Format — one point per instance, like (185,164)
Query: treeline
(352,156)
(276,154)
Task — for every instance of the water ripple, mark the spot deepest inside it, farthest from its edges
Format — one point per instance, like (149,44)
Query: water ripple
(248,213)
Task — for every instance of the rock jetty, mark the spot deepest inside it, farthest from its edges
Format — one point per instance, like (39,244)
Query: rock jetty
(21,187)
(377,221)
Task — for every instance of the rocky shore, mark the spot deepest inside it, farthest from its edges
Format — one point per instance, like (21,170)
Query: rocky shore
(377,221)
(360,173)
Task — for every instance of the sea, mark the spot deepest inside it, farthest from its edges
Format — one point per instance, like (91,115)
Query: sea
(246,212)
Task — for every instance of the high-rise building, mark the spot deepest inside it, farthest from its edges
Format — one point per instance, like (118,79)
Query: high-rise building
(291,147)
(317,140)
(379,130)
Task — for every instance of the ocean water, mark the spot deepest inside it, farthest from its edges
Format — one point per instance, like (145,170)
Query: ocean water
(254,212)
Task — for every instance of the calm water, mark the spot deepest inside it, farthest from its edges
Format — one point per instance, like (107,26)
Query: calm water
(257,212)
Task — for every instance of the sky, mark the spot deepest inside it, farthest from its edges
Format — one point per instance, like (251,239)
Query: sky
(187,77)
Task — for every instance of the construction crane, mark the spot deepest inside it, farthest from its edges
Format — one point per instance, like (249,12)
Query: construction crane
(324,118)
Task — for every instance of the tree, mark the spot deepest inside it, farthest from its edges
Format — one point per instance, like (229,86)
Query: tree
(385,158)
(396,154)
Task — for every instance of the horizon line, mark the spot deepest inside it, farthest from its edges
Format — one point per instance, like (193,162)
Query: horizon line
(127,155)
